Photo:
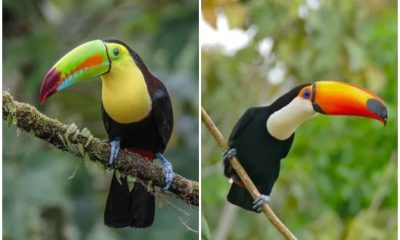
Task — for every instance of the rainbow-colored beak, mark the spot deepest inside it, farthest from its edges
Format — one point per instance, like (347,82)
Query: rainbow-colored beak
(338,98)
(84,62)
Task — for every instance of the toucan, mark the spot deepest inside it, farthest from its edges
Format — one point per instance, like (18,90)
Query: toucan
(264,135)
(137,114)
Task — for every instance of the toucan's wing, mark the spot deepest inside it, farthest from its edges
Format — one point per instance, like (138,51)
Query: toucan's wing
(246,118)
(162,110)
(241,124)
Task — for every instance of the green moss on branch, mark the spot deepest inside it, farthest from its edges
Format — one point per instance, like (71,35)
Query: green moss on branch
(82,144)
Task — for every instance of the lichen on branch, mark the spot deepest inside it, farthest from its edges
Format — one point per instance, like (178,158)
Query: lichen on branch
(82,144)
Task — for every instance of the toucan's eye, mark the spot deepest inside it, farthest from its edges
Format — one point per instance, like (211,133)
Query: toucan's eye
(116,52)
(306,94)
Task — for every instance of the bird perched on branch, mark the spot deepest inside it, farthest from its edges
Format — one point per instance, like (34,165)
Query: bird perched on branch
(137,115)
(264,135)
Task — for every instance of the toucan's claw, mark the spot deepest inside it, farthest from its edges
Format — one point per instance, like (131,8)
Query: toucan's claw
(169,173)
(229,153)
(115,147)
(258,203)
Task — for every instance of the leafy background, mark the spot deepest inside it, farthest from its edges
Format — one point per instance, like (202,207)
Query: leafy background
(39,201)
(340,180)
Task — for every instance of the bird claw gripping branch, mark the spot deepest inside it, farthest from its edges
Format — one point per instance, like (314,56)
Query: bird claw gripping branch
(228,154)
(169,173)
(257,204)
(115,147)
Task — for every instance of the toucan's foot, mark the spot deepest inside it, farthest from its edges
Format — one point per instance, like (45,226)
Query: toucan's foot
(169,173)
(115,147)
(231,152)
(257,204)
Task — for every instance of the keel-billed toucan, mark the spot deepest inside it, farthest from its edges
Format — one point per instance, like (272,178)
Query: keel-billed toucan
(263,135)
(137,115)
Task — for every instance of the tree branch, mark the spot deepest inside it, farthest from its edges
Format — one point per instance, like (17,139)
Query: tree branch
(217,135)
(82,144)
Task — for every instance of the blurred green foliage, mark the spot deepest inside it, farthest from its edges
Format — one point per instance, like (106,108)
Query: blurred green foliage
(340,179)
(39,202)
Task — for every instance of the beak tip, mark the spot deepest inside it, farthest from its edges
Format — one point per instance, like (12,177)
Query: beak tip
(41,100)
(49,85)
(43,95)
(378,108)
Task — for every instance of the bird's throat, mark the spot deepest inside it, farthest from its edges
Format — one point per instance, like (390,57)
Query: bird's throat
(125,95)
(284,122)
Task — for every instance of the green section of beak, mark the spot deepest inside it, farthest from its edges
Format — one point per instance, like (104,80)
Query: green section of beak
(84,62)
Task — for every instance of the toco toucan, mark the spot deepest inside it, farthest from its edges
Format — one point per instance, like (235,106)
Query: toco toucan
(137,115)
(263,135)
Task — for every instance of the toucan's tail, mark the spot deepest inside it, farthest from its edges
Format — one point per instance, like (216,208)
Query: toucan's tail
(239,196)
(125,208)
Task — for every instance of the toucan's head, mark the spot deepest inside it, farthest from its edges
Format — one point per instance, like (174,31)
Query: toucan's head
(89,60)
(339,98)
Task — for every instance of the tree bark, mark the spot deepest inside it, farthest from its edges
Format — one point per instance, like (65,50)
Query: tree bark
(82,144)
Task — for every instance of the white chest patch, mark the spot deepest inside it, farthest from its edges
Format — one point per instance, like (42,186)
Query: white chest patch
(282,123)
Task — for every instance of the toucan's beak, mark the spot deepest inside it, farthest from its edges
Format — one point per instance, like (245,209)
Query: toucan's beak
(84,62)
(338,98)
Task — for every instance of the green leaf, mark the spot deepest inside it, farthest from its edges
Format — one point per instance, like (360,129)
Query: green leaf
(205,229)
(70,130)
(118,176)
(9,120)
(86,133)
(88,141)
(75,135)
(81,149)
(86,157)
(149,186)
(131,182)
(11,109)
(69,145)
(14,120)
(61,138)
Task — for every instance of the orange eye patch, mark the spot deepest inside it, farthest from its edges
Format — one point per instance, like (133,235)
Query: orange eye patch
(306,93)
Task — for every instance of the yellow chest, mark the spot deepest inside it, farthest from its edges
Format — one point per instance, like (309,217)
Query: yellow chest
(124,93)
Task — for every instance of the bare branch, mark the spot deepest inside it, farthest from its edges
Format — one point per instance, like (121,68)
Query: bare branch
(205,118)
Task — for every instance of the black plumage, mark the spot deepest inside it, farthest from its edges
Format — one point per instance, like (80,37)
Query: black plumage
(257,150)
(146,137)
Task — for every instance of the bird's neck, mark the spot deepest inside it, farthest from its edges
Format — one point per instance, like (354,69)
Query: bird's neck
(125,96)
(284,122)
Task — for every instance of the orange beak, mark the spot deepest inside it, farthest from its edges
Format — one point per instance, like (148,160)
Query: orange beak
(338,98)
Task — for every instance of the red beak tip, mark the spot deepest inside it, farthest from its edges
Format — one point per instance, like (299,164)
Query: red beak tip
(42,98)
(49,85)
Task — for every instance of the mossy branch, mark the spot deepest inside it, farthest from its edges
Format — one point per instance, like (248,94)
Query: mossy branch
(83,144)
